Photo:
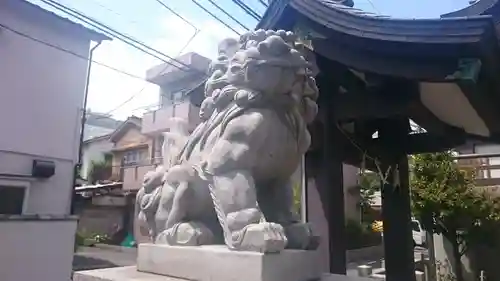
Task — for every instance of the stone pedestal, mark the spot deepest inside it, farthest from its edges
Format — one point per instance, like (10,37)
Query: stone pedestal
(211,263)
(215,263)
(208,263)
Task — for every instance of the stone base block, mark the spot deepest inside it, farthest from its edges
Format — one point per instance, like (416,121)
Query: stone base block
(217,263)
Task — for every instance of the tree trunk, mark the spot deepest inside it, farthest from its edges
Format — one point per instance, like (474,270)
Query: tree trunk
(431,266)
(457,257)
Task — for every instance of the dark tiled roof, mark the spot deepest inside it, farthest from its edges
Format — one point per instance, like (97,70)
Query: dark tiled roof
(481,7)
(335,4)
(333,17)
(41,14)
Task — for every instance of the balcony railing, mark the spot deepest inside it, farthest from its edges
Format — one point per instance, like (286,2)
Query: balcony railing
(486,168)
(159,121)
(132,176)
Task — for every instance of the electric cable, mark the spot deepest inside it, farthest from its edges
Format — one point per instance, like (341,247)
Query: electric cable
(177,14)
(196,32)
(215,17)
(69,52)
(107,29)
(228,14)
(247,9)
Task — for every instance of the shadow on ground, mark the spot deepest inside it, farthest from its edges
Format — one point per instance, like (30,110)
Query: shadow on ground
(88,263)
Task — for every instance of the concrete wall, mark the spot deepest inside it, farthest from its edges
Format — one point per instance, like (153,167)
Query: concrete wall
(316,214)
(40,108)
(100,219)
(44,88)
(351,198)
(39,250)
(41,92)
(159,121)
(133,177)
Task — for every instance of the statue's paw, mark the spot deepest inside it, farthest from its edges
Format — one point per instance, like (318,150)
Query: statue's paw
(302,236)
(263,237)
(186,234)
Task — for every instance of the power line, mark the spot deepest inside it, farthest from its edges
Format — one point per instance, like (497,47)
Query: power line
(373,6)
(112,11)
(263,3)
(196,32)
(228,14)
(186,90)
(68,52)
(116,34)
(177,14)
(143,88)
(215,17)
(247,9)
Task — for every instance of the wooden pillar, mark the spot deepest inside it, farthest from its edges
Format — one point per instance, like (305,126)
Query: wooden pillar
(332,196)
(328,174)
(396,212)
(329,183)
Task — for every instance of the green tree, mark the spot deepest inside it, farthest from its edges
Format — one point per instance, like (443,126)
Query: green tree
(368,184)
(99,170)
(445,201)
(297,197)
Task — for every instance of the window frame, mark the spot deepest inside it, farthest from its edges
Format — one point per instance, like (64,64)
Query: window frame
(137,159)
(17,183)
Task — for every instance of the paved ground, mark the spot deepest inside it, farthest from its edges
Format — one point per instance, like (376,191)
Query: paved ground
(352,267)
(93,258)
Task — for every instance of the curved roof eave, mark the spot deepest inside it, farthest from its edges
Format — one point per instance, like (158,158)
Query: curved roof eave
(481,7)
(338,18)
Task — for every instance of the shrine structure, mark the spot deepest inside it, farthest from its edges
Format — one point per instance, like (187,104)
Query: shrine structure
(377,73)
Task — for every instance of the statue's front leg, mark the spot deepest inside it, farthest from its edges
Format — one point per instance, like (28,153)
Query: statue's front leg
(236,205)
(178,227)
(277,203)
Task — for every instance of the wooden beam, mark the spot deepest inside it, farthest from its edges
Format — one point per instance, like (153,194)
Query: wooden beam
(341,75)
(358,151)
(479,89)
(423,143)
(364,105)
(421,115)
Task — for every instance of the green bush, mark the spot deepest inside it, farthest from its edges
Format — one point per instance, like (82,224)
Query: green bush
(360,235)
(79,240)
(89,239)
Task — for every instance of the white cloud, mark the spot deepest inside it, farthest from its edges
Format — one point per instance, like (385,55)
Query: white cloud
(108,88)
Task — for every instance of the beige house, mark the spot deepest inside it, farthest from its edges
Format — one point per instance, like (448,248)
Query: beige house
(43,75)
(132,153)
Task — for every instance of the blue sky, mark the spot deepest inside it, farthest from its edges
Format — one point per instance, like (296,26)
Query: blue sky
(149,22)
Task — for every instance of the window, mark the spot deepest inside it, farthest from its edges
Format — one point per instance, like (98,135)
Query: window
(133,157)
(177,97)
(13,197)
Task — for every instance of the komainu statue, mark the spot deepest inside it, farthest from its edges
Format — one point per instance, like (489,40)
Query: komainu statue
(229,181)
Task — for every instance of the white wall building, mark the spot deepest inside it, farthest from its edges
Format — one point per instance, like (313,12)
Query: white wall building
(96,143)
(44,61)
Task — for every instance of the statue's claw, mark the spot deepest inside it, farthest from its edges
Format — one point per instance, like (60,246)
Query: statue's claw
(263,237)
(186,234)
